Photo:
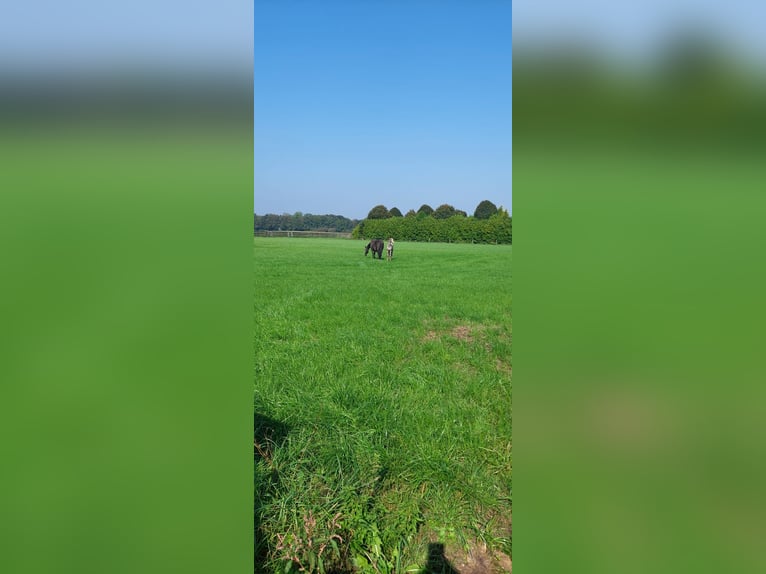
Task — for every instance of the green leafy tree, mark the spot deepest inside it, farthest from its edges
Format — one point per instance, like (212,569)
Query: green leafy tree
(407,227)
(444,211)
(394,212)
(485,210)
(464,227)
(411,213)
(303,222)
(425,209)
(427,229)
(423,227)
(379,212)
(501,226)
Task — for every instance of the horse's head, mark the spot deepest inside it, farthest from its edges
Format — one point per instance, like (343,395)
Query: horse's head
(366,249)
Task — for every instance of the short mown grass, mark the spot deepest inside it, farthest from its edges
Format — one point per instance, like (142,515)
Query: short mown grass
(382,404)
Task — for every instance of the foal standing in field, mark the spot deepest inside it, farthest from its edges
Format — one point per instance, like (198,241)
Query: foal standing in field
(390,250)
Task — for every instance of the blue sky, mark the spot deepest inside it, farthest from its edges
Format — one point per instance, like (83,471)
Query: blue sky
(50,35)
(368,102)
(400,102)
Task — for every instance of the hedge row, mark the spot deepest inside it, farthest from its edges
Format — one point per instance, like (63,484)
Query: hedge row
(456,229)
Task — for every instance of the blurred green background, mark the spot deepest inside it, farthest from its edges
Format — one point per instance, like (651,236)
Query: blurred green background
(126,305)
(639,182)
(125,351)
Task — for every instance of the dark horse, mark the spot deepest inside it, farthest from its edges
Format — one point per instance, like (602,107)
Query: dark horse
(377,247)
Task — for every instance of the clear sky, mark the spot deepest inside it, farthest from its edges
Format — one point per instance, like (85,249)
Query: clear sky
(366,102)
(50,35)
(360,102)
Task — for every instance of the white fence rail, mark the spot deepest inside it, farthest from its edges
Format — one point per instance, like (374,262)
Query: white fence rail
(331,234)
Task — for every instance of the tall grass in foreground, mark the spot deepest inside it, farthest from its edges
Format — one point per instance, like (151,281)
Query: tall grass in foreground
(382,404)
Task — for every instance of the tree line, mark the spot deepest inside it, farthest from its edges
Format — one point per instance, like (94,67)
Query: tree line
(488,224)
(303,222)
(695,91)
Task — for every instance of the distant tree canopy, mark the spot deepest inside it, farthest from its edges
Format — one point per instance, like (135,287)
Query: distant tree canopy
(693,90)
(303,222)
(379,212)
(485,210)
(425,208)
(444,211)
(489,224)
(445,224)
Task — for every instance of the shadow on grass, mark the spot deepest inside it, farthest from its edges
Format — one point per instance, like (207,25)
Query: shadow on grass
(268,434)
(437,562)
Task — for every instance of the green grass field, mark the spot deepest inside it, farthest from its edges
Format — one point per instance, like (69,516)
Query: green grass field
(382,407)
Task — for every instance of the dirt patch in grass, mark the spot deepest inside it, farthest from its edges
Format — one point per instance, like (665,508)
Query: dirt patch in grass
(465,332)
(462,333)
(465,369)
(503,367)
(454,558)
(430,336)
(478,559)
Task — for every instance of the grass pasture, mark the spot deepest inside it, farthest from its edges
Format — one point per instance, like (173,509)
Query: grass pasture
(382,405)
